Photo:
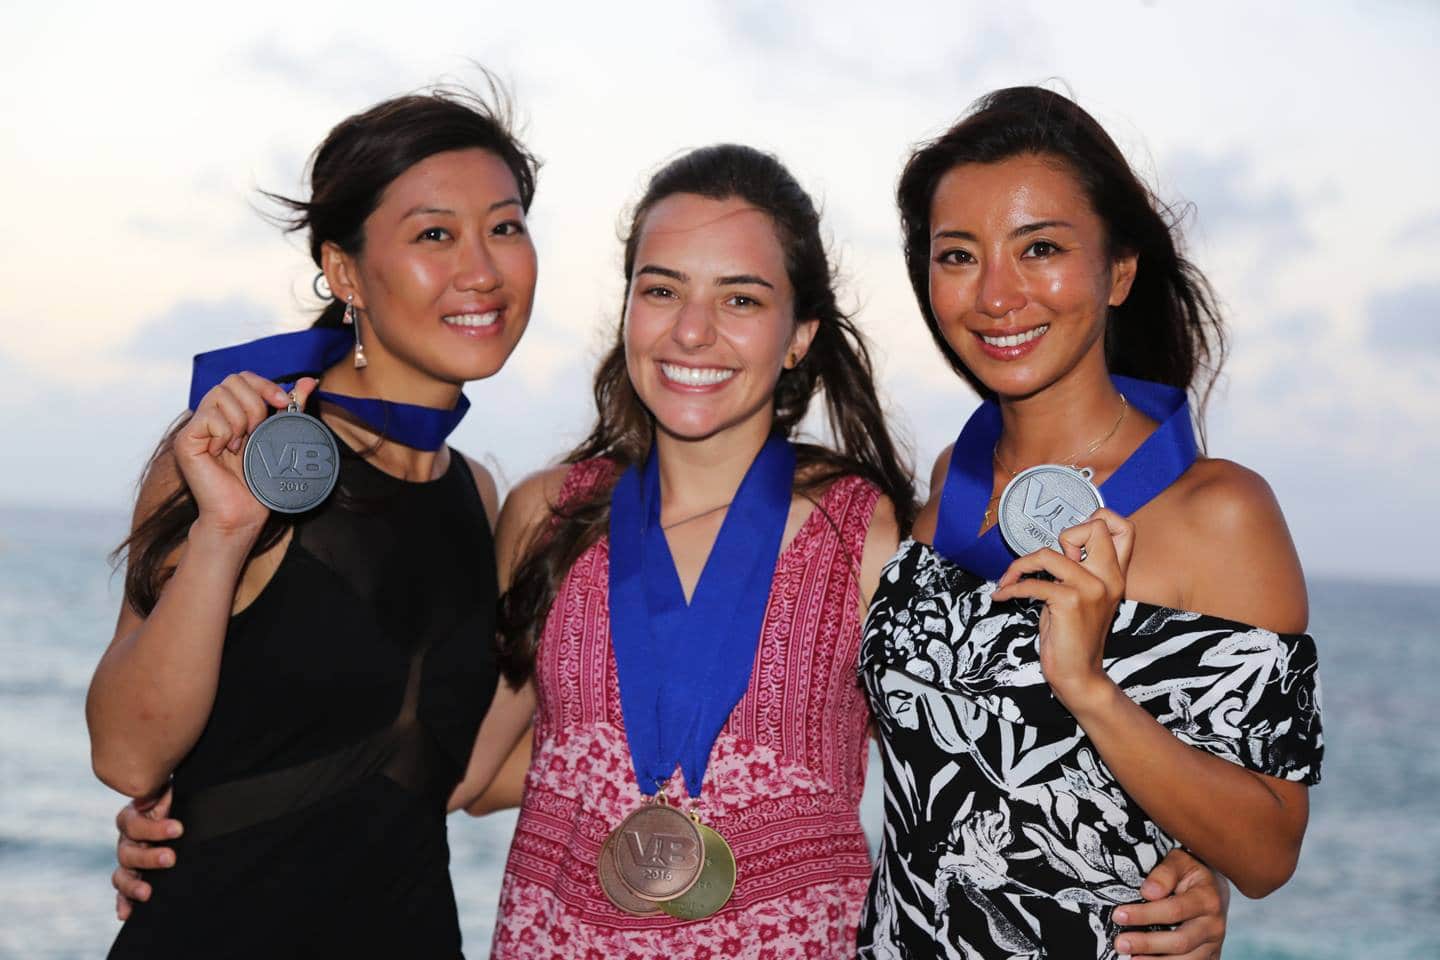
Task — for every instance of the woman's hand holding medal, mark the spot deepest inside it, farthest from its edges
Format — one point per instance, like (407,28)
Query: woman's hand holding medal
(209,448)
(1081,590)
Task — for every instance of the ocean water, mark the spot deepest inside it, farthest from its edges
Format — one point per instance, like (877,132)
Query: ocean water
(1368,884)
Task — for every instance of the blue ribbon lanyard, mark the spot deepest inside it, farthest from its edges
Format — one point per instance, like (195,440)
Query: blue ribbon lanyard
(683,668)
(287,356)
(1165,454)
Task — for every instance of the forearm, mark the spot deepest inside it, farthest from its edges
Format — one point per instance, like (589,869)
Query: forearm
(154,688)
(503,732)
(1246,826)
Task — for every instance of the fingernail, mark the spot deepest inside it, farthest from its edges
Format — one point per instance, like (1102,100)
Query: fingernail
(1122,916)
(167,859)
(174,830)
(1122,945)
(1151,889)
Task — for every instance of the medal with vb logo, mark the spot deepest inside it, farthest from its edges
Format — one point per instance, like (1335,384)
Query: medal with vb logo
(291,462)
(682,668)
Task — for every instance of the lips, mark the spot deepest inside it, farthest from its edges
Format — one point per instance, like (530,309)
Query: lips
(1011,346)
(1015,339)
(472,319)
(695,376)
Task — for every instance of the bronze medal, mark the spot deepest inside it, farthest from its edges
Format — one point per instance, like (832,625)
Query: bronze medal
(717,881)
(615,890)
(658,852)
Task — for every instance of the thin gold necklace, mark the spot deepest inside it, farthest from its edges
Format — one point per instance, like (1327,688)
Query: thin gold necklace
(695,516)
(1071,461)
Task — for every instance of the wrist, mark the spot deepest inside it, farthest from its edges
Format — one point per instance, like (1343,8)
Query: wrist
(1089,697)
(207,534)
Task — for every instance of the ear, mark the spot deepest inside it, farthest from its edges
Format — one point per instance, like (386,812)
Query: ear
(341,273)
(1122,276)
(800,342)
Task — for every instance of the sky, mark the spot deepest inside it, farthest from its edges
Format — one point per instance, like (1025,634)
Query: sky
(1299,138)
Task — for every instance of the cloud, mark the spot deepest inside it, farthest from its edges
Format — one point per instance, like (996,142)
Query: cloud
(1408,318)
(1227,200)
(192,326)
(1424,228)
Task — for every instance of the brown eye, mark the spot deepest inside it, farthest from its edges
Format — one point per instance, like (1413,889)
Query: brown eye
(434,233)
(954,257)
(1041,249)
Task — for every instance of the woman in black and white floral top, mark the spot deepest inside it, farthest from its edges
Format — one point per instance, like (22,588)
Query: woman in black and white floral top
(1054,724)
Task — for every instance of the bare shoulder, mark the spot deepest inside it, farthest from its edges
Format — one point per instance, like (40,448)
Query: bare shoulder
(924,529)
(528,506)
(1245,566)
(485,484)
(882,539)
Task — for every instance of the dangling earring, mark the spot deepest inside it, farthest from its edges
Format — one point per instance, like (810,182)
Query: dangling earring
(791,361)
(352,317)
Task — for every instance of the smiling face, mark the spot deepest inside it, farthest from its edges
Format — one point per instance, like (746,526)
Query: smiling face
(1021,278)
(710,318)
(446,278)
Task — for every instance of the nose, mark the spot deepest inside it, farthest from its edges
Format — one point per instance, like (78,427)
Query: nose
(694,326)
(477,269)
(999,291)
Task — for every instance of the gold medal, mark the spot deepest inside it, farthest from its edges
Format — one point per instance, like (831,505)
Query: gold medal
(615,890)
(658,852)
(717,881)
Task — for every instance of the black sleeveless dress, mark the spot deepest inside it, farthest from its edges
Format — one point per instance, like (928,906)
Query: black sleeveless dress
(349,696)
(1006,835)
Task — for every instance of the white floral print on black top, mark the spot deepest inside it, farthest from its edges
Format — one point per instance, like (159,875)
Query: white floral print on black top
(1005,833)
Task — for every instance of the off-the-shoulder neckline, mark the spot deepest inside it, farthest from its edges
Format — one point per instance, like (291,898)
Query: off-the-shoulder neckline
(1140,606)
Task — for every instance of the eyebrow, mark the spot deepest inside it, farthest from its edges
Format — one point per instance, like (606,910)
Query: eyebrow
(1020,231)
(424,210)
(733,280)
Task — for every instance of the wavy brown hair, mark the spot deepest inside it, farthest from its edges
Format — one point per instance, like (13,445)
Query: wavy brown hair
(1169,329)
(837,365)
(349,172)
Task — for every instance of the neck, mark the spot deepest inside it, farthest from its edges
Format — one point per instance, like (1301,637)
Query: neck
(387,379)
(1058,421)
(699,474)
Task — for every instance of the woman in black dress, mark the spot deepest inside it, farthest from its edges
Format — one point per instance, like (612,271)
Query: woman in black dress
(312,685)
(1054,720)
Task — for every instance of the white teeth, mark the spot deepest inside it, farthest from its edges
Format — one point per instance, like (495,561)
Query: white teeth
(473,319)
(1015,339)
(695,376)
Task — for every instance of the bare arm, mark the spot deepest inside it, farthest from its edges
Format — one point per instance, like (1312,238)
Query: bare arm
(524,516)
(155,685)
(1245,824)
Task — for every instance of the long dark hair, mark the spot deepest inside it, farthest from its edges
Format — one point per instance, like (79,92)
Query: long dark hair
(349,172)
(1169,328)
(837,364)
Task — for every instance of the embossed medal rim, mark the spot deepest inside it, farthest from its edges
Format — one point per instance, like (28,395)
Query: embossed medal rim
(607,856)
(254,488)
(668,811)
(671,906)
(1013,485)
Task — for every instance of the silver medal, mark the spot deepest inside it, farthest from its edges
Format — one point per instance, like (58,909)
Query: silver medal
(1040,502)
(291,462)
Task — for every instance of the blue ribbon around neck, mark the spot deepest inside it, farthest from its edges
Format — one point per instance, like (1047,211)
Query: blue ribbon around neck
(286,357)
(1165,454)
(683,667)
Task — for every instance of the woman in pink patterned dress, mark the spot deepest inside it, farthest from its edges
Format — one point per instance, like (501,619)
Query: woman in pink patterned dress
(730,327)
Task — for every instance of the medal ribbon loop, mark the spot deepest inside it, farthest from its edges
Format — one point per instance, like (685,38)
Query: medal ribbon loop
(288,356)
(683,667)
(1159,461)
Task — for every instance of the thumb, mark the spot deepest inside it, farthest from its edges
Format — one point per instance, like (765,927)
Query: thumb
(161,808)
(303,388)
